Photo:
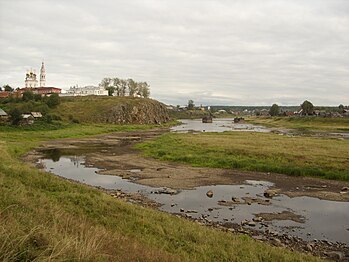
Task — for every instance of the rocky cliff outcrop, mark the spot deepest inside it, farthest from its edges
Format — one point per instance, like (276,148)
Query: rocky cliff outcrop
(113,110)
(146,112)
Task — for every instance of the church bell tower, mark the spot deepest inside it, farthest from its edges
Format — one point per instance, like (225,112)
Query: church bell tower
(42,75)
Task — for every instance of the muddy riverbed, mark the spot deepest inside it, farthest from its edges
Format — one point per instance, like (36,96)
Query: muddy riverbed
(306,214)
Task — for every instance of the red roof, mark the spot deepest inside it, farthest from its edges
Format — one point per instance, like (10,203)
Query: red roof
(4,94)
(41,90)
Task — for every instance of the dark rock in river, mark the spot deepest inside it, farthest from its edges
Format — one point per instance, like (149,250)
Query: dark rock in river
(167,191)
(209,193)
(270,193)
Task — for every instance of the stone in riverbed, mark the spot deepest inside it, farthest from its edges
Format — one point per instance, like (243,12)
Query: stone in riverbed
(344,190)
(167,191)
(209,193)
(235,200)
(309,247)
(269,193)
(257,219)
(251,224)
(276,242)
(336,255)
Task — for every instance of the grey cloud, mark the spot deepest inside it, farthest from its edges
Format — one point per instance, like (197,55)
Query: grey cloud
(214,52)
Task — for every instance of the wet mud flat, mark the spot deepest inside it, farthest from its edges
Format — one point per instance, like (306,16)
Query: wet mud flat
(304,214)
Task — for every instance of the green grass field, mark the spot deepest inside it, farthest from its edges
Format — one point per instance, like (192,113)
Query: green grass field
(266,152)
(46,218)
(304,123)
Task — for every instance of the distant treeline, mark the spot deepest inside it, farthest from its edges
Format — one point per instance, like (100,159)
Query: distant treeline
(259,108)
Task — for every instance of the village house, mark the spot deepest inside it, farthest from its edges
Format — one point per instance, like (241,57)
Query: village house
(36,114)
(288,113)
(3,116)
(27,119)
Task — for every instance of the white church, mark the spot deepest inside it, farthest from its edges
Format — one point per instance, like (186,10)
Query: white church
(30,78)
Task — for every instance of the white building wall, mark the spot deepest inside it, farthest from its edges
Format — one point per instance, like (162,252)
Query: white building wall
(87,91)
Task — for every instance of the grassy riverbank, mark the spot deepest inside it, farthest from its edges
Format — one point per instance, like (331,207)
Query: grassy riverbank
(266,152)
(44,217)
(304,123)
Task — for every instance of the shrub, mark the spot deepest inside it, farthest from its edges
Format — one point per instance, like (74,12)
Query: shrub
(53,100)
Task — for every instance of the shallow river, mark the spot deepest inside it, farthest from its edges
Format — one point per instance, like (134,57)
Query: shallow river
(218,125)
(227,124)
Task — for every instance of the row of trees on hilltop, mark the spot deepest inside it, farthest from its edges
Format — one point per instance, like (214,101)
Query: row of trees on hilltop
(307,109)
(125,87)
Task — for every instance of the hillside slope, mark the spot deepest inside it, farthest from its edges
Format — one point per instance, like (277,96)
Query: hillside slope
(115,110)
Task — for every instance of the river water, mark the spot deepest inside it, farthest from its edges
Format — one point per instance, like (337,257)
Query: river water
(227,124)
(311,218)
(218,125)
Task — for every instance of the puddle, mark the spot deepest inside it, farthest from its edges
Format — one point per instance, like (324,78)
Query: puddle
(305,217)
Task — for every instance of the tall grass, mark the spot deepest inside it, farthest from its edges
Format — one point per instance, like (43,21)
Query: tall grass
(297,156)
(304,123)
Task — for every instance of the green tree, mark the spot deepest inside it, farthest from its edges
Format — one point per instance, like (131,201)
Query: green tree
(15,116)
(341,108)
(117,86)
(274,110)
(143,89)
(307,107)
(122,87)
(191,104)
(37,97)
(132,87)
(53,100)
(28,96)
(7,88)
(107,85)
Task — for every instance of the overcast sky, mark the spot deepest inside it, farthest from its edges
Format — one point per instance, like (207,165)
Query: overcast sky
(216,52)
